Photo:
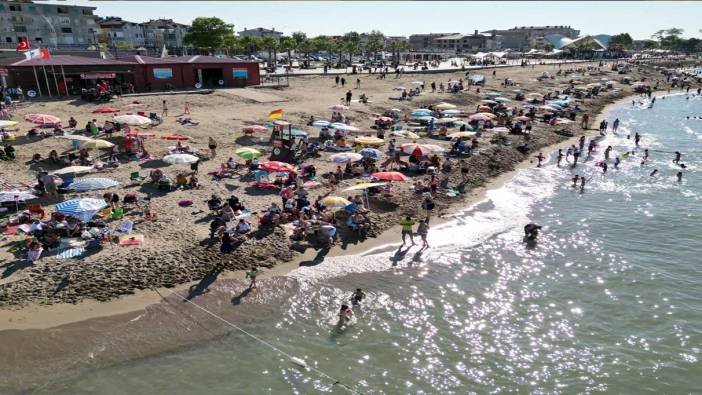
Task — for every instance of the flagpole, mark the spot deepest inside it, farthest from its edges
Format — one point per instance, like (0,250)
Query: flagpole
(36,78)
(65,84)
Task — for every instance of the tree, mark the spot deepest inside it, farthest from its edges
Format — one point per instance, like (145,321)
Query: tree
(233,44)
(351,43)
(299,37)
(669,38)
(548,47)
(124,45)
(289,44)
(250,44)
(649,44)
(270,44)
(208,33)
(621,41)
(375,41)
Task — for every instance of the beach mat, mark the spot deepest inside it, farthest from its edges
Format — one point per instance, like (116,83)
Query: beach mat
(131,239)
(10,230)
(67,253)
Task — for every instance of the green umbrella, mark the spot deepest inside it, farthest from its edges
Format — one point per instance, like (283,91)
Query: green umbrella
(248,153)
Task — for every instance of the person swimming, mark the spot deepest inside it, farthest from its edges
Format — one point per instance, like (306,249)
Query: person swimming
(653,173)
(531,231)
(617,161)
(345,314)
(357,296)
(575,180)
(582,183)
(679,176)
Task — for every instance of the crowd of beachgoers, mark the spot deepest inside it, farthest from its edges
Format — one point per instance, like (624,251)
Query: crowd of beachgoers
(157,190)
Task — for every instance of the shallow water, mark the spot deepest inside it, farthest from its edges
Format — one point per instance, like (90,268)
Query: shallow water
(609,300)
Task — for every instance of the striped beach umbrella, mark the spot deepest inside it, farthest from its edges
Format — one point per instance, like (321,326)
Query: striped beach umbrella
(92,184)
(344,157)
(7,124)
(248,153)
(42,119)
(83,209)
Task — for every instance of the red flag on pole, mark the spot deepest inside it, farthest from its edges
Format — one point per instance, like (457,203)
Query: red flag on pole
(23,45)
(45,53)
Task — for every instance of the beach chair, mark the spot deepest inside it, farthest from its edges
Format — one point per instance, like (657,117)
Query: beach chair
(135,176)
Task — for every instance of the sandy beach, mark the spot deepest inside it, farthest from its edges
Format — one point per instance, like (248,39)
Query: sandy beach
(176,253)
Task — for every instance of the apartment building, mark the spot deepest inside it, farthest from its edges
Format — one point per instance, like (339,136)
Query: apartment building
(53,25)
(261,32)
(114,30)
(525,38)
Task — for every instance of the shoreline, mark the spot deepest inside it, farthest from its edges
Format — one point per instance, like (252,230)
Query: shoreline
(39,316)
(42,317)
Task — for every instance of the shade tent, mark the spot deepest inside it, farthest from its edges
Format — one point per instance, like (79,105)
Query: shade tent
(83,209)
(92,184)
(131,119)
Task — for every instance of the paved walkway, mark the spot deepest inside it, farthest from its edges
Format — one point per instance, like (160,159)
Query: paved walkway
(254,94)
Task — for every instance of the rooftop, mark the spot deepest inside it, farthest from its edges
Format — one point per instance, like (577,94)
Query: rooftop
(64,60)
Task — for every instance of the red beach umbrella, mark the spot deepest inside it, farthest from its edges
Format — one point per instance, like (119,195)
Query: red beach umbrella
(276,166)
(105,110)
(389,176)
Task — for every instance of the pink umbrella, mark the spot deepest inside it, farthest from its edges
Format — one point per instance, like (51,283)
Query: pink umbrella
(479,117)
(522,118)
(42,119)
(143,135)
(105,110)
(310,184)
(416,149)
(277,166)
(389,176)
(135,105)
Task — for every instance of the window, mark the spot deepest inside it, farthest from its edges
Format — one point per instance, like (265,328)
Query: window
(21,29)
(38,39)
(8,39)
(62,10)
(87,12)
(15,7)
(66,30)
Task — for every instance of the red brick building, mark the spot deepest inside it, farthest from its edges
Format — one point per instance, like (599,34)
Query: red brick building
(67,73)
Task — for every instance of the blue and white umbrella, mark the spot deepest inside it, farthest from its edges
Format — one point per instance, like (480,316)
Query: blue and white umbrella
(420,113)
(295,133)
(321,124)
(451,112)
(371,153)
(83,209)
(92,184)
(502,99)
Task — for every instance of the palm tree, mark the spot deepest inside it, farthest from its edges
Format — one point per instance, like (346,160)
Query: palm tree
(250,44)
(375,42)
(289,44)
(269,43)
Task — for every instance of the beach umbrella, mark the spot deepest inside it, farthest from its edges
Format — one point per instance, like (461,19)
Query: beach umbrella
(7,124)
(484,108)
(276,166)
(142,135)
(416,114)
(74,137)
(479,117)
(15,196)
(522,118)
(426,118)
(442,121)
(321,124)
(389,176)
(499,129)
(518,90)
(395,110)
(435,148)
(92,184)
(488,101)
(502,99)
(488,114)
(132,119)
(135,105)
(254,129)
(563,121)
(371,153)
(248,153)
(416,149)
(535,95)
(421,109)
(399,88)
(175,137)
(364,185)
(311,184)
(105,110)
(451,112)
(445,106)
(83,209)
(295,133)
(334,201)
(344,127)
(405,133)
(177,159)
(339,107)
(493,94)
(42,119)
(97,143)
(369,140)
(549,108)
(386,119)
(417,82)
(344,157)
(73,169)
(461,135)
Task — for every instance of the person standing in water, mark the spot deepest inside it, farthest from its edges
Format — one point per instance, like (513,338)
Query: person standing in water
(576,155)
(679,176)
(582,143)
(423,232)
(345,314)
(615,125)
(616,162)
(575,180)
(590,148)
(678,155)
(407,224)
(637,138)
(357,297)
(582,183)
(607,151)
(560,157)
(252,275)
(653,173)
(540,158)
(604,167)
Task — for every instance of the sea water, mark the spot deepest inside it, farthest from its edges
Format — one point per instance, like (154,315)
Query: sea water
(608,300)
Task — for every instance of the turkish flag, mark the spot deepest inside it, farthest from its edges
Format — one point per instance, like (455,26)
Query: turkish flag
(23,45)
(45,53)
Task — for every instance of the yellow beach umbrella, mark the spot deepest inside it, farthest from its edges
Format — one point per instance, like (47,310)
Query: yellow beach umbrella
(445,106)
(369,140)
(335,201)
(406,133)
(364,185)
(98,143)
(7,124)
(461,135)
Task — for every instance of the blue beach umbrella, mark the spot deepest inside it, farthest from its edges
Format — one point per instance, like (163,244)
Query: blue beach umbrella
(420,113)
(83,209)
(371,153)
(92,184)
(321,124)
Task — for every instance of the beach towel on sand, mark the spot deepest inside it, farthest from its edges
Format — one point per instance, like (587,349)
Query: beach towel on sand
(132,239)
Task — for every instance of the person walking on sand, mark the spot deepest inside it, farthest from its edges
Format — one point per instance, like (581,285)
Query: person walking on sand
(423,232)
(336,80)
(358,83)
(585,121)
(252,275)
(348,97)
(164,111)
(186,108)
(212,144)
(343,81)
(407,224)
